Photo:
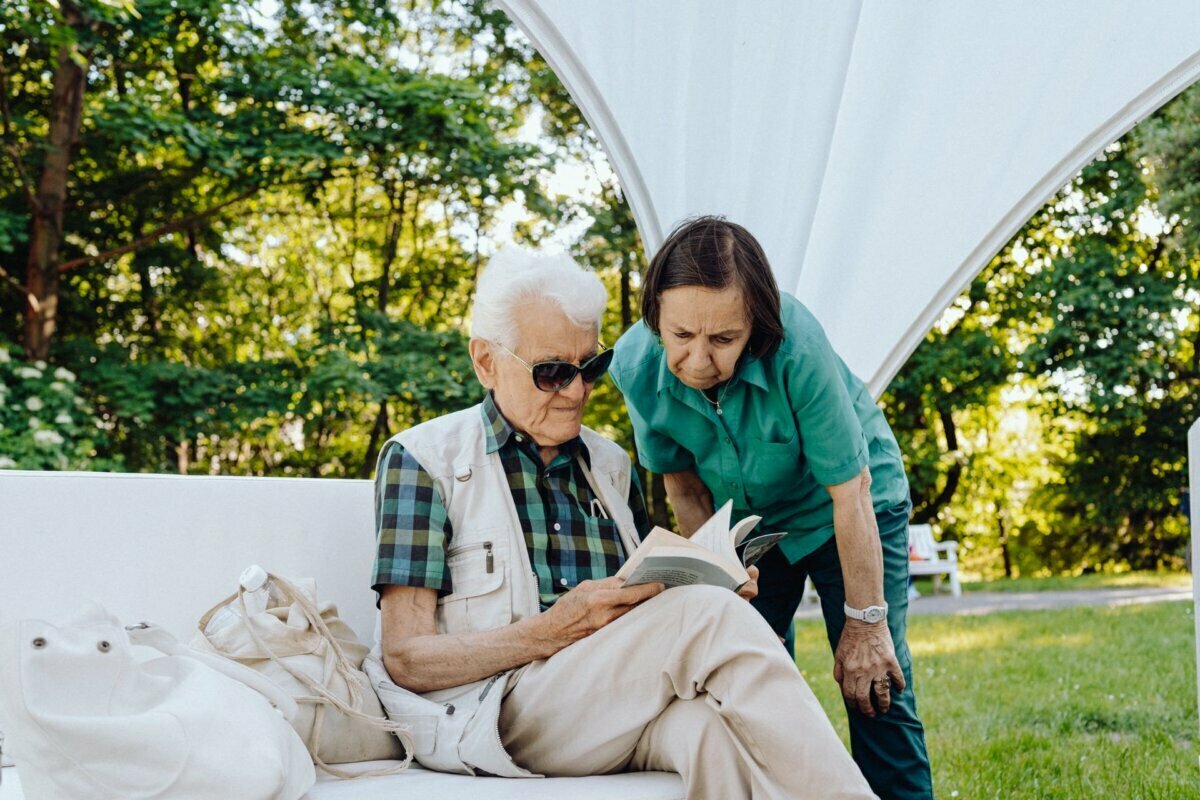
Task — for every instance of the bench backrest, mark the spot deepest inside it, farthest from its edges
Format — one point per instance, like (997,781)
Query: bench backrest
(165,548)
(921,542)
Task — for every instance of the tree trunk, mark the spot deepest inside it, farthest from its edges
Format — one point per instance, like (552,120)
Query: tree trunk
(398,202)
(928,512)
(1008,570)
(379,431)
(183,457)
(45,237)
(660,515)
(626,296)
(141,266)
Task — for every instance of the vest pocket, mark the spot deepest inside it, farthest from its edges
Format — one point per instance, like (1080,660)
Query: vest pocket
(479,576)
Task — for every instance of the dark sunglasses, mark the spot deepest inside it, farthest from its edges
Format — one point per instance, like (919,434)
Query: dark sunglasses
(554,376)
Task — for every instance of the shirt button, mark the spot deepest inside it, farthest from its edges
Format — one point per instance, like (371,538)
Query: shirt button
(562,581)
(557,527)
(726,440)
(733,484)
(520,438)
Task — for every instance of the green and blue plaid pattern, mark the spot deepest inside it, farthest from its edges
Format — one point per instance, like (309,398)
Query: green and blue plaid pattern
(412,528)
(568,541)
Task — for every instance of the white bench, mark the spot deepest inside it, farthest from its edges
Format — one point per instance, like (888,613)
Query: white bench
(165,548)
(933,558)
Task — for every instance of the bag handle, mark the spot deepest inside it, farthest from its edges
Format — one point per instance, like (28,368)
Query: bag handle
(321,694)
(152,636)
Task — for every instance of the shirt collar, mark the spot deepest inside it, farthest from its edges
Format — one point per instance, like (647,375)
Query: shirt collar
(500,431)
(751,370)
(495,425)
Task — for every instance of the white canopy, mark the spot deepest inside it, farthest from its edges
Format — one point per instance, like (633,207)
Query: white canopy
(881,151)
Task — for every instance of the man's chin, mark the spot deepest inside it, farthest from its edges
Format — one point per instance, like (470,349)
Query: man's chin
(560,434)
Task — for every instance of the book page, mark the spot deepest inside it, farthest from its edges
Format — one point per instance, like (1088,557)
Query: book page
(657,539)
(714,534)
(757,546)
(743,528)
(708,556)
(679,570)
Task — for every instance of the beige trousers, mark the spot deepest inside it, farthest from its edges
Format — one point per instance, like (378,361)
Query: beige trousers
(692,681)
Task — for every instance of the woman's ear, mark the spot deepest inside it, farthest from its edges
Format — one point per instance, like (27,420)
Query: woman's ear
(484,361)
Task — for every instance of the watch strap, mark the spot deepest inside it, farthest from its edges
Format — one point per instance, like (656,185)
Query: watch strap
(880,612)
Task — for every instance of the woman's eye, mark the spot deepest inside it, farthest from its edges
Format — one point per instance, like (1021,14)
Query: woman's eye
(679,335)
(722,339)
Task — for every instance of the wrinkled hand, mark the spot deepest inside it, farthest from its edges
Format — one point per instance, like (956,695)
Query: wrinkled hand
(749,589)
(864,654)
(590,606)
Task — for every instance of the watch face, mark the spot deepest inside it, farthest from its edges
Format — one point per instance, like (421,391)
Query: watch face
(874,614)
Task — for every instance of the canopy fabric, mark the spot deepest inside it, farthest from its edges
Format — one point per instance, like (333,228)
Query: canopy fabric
(882,152)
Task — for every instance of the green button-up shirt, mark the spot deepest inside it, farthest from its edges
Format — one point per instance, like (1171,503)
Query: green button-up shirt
(791,425)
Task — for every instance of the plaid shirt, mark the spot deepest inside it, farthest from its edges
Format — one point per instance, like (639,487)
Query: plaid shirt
(566,543)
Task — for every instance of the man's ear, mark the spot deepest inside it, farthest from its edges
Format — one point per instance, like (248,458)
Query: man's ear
(484,361)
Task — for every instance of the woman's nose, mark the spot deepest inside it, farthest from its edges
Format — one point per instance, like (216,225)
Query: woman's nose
(698,356)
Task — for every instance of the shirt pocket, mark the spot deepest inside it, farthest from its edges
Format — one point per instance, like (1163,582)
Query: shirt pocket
(771,472)
(604,538)
(480,577)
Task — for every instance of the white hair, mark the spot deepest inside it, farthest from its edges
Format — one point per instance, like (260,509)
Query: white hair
(515,275)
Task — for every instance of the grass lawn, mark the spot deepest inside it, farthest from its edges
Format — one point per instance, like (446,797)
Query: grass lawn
(1076,703)
(1125,580)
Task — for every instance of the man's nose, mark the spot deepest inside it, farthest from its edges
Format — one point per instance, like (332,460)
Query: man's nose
(574,390)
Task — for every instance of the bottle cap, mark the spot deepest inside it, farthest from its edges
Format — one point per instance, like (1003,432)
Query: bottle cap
(253,578)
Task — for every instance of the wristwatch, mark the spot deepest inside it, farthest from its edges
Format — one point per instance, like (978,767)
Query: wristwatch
(870,614)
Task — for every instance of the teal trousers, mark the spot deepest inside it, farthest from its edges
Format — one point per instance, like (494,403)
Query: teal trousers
(889,748)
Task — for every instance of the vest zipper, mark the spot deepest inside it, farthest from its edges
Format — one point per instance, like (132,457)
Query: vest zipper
(499,739)
(488,686)
(490,559)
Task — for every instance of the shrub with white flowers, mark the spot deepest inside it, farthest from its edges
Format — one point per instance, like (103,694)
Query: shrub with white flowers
(44,422)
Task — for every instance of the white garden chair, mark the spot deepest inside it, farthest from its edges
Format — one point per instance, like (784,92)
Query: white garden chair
(930,557)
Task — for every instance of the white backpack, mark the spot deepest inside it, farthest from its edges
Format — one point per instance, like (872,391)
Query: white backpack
(85,718)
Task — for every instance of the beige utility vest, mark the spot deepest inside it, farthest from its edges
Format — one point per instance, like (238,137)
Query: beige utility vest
(457,730)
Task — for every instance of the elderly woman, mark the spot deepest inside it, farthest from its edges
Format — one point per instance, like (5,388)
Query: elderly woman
(736,394)
(506,641)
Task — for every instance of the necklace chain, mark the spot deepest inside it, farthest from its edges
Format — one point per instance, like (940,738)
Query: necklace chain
(720,396)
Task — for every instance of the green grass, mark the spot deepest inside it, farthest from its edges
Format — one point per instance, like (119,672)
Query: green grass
(1123,580)
(1078,703)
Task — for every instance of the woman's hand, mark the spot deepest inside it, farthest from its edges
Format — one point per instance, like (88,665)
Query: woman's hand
(749,589)
(866,659)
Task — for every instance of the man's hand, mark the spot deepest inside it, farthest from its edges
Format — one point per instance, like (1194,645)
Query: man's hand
(589,607)
(749,589)
(865,655)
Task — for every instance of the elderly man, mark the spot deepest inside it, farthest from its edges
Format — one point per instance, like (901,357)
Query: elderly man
(507,643)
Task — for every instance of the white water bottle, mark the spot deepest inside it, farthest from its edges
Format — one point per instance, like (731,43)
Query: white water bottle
(256,591)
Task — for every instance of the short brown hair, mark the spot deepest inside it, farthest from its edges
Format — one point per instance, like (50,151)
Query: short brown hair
(715,253)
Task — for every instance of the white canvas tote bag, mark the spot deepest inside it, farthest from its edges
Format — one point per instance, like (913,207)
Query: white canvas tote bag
(307,650)
(85,718)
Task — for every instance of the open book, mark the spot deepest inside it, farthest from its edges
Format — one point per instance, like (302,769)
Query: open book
(710,556)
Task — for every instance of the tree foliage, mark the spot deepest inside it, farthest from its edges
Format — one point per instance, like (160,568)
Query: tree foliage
(1084,331)
(253,231)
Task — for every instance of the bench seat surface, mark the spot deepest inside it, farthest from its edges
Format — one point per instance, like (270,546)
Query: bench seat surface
(422,783)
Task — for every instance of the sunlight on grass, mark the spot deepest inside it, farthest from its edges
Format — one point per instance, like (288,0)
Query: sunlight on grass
(964,641)
(1122,580)
(998,636)
(1073,703)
